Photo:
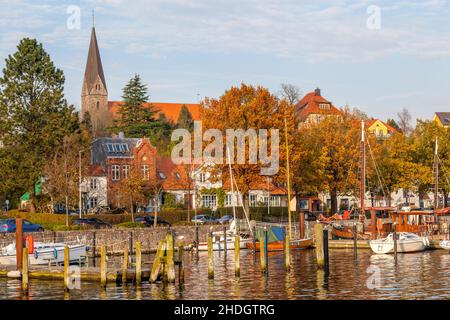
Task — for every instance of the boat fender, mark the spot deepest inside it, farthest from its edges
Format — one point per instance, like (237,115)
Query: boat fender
(55,253)
(30,244)
(35,254)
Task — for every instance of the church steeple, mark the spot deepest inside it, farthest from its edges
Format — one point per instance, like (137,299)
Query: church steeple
(94,94)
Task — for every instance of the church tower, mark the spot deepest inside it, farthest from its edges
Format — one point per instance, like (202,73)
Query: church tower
(94,94)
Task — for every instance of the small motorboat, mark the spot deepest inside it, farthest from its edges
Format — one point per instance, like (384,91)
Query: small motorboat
(445,244)
(45,253)
(279,245)
(218,242)
(406,242)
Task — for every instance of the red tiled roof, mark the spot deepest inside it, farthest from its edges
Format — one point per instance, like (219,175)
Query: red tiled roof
(176,176)
(264,186)
(96,171)
(170,110)
(310,104)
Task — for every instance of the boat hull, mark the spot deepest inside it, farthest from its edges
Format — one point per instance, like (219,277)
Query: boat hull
(347,233)
(44,256)
(403,246)
(220,245)
(279,245)
(445,244)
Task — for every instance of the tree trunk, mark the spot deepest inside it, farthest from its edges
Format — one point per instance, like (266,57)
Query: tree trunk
(131,208)
(445,198)
(334,205)
(32,202)
(156,209)
(67,211)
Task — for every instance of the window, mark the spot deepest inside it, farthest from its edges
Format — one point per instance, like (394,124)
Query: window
(177,176)
(228,200)
(93,202)
(125,171)
(115,172)
(98,105)
(276,201)
(93,184)
(253,199)
(124,147)
(161,175)
(324,106)
(110,147)
(202,177)
(209,201)
(117,147)
(146,172)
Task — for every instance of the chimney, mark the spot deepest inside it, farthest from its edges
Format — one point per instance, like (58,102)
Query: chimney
(121,135)
(317,92)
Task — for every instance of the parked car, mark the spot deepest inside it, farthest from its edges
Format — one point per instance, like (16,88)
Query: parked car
(225,219)
(61,209)
(149,221)
(9,225)
(203,218)
(94,222)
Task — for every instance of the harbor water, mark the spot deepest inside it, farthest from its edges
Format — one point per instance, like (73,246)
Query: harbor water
(423,275)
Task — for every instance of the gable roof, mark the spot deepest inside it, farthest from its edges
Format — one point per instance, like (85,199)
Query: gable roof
(444,118)
(94,66)
(170,110)
(309,104)
(96,171)
(370,122)
(175,177)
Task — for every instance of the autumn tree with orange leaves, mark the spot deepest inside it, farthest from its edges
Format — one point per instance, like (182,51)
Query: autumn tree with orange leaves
(248,107)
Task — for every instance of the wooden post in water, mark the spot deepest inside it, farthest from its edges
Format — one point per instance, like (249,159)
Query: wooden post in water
(157,264)
(125,265)
(138,262)
(131,243)
(225,242)
(94,246)
(318,238)
(325,250)
(263,251)
(254,242)
(19,243)
(180,262)
(237,249)
(395,242)
(287,250)
(66,268)
(170,264)
(210,256)
(103,265)
(25,270)
(373,221)
(355,241)
(302,225)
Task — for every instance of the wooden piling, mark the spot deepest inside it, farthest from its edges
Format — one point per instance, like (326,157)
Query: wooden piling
(94,246)
(157,264)
(170,264)
(318,238)
(225,242)
(138,262)
(25,270)
(325,249)
(210,257)
(266,251)
(395,242)
(373,221)
(66,268)
(19,243)
(254,242)
(263,251)
(103,265)
(131,242)
(287,251)
(125,265)
(181,263)
(237,249)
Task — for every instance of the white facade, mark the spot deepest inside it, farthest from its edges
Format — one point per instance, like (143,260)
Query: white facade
(95,192)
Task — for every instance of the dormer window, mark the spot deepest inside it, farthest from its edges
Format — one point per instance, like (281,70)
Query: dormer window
(177,176)
(161,175)
(202,177)
(324,106)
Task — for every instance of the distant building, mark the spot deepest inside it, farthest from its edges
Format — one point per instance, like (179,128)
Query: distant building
(380,128)
(94,96)
(442,118)
(312,108)
(95,188)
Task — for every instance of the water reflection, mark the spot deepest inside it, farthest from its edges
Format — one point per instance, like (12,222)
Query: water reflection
(422,275)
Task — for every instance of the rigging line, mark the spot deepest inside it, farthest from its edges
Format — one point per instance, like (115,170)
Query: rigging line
(444,170)
(242,203)
(379,175)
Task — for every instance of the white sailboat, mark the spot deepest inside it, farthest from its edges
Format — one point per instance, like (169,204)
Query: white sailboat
(45,253)
(221,240)
(406,242)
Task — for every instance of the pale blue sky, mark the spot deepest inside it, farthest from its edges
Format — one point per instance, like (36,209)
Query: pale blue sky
(184,49)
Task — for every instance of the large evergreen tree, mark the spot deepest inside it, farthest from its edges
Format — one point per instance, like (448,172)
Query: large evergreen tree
(34,115)
(185,119)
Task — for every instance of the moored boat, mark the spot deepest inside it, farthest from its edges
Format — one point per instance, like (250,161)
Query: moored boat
(44,253)
(406,242)
(346,232)
(279,245)
(445,244)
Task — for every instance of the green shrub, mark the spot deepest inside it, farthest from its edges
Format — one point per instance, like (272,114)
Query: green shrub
(130,225)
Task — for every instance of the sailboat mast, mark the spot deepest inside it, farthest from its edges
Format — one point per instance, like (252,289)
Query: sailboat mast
(436,178)
(232,186)
(288,178)
(363,171)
